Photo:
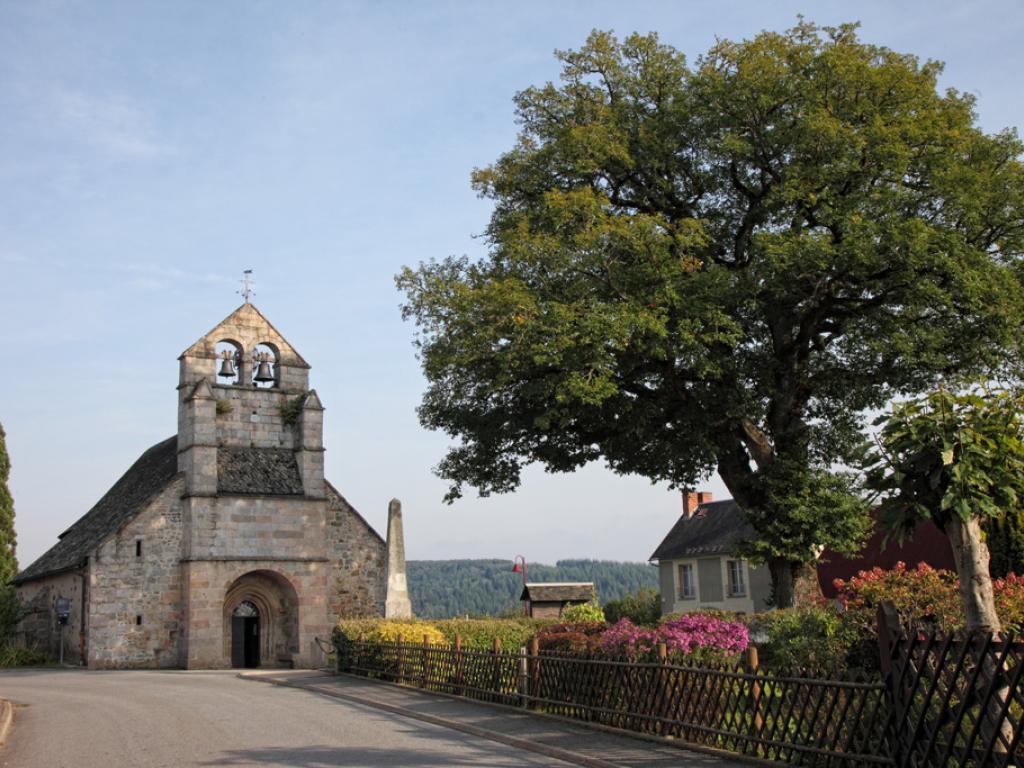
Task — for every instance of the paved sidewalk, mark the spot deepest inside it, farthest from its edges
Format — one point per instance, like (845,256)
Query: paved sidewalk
(555,738)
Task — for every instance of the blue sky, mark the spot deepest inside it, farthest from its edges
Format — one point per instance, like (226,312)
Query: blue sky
(149,152)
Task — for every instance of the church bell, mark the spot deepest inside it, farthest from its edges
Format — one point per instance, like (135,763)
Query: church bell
(227,367)
(263,372)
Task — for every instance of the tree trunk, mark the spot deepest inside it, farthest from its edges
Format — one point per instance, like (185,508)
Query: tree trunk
(783,582)
(971,556)
(793,582)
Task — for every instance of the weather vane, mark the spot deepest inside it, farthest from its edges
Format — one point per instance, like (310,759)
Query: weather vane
(247,291)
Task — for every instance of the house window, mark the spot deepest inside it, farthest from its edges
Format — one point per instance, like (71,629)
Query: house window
(687,589)
(737,582)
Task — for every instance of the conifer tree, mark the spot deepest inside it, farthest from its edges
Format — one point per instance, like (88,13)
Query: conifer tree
(8,540)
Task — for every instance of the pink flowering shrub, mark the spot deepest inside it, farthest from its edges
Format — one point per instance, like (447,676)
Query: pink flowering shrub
(691,636)
(923,594)
(1009,594)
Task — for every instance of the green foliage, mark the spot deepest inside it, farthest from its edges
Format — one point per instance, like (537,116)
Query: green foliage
(11,656)
(223,406)
(809,637)
(947,454)
(10,613)
(1004,535)
(479,634)
(449,588)
(8,539)
(291,409)
(583,612)
(642,607)
(720,268)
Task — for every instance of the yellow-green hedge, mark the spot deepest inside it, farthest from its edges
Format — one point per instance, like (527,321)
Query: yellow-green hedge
(478,634)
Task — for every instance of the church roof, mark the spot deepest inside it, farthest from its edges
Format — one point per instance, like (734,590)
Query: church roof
(146,478)
(262,471)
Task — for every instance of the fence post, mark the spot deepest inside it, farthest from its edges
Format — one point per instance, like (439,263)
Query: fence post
(425,660)
(401,660)
(459,689)
(496,682)
(888,629)
(534,689)
(359,652)
(658,726)
(752,664)
(524,677)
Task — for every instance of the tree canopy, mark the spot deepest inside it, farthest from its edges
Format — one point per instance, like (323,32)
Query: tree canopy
(720,267)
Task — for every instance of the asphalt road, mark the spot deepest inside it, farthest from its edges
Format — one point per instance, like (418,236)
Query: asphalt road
(83,719)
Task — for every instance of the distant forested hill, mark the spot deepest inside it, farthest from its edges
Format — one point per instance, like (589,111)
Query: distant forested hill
(445,588)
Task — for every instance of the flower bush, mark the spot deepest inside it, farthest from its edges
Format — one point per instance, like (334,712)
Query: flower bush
(1009,594)
(574,637)
(921,594)
(690,637)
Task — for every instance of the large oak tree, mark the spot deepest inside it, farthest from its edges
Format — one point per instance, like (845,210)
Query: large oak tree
(720,268)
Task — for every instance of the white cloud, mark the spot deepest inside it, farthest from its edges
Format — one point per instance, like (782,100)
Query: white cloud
(110,123)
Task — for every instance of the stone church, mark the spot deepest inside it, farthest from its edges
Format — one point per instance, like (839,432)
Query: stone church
(223,545)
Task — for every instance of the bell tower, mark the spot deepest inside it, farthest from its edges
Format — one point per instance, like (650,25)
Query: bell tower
(243,386)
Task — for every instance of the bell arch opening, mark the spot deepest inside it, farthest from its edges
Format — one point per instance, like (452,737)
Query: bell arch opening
(261,620)
(264,365)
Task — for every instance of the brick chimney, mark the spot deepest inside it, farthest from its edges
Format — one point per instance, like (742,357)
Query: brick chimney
(692,500)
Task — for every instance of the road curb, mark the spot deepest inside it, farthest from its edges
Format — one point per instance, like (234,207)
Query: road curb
(473,730)
(6,718)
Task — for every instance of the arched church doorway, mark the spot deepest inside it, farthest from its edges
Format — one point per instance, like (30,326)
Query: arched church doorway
(261,620)
(245,635)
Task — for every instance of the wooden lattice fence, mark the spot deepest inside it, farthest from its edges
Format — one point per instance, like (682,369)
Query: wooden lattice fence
(946,701)
(957,698)
(744,709)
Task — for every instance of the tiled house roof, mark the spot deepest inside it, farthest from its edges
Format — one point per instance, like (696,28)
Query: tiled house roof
(715,528)
(143,481)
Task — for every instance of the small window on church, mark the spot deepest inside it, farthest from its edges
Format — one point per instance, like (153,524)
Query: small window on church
(138,620)
(264,366)
(229,361)
(138,548)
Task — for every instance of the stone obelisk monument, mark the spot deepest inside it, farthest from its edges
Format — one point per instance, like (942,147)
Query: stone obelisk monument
(396,604)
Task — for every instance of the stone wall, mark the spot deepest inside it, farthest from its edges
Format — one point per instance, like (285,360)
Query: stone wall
(256,527)
(254,419)
(356,583)
(38,628)
(135,607)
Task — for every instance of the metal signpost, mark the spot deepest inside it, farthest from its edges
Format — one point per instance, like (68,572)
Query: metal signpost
(63,614)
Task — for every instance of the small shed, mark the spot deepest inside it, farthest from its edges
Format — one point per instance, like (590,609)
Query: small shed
(548,600)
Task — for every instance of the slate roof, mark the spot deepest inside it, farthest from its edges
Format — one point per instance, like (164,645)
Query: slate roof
(143,481)
(716,528)
(553,592)
(258,471)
